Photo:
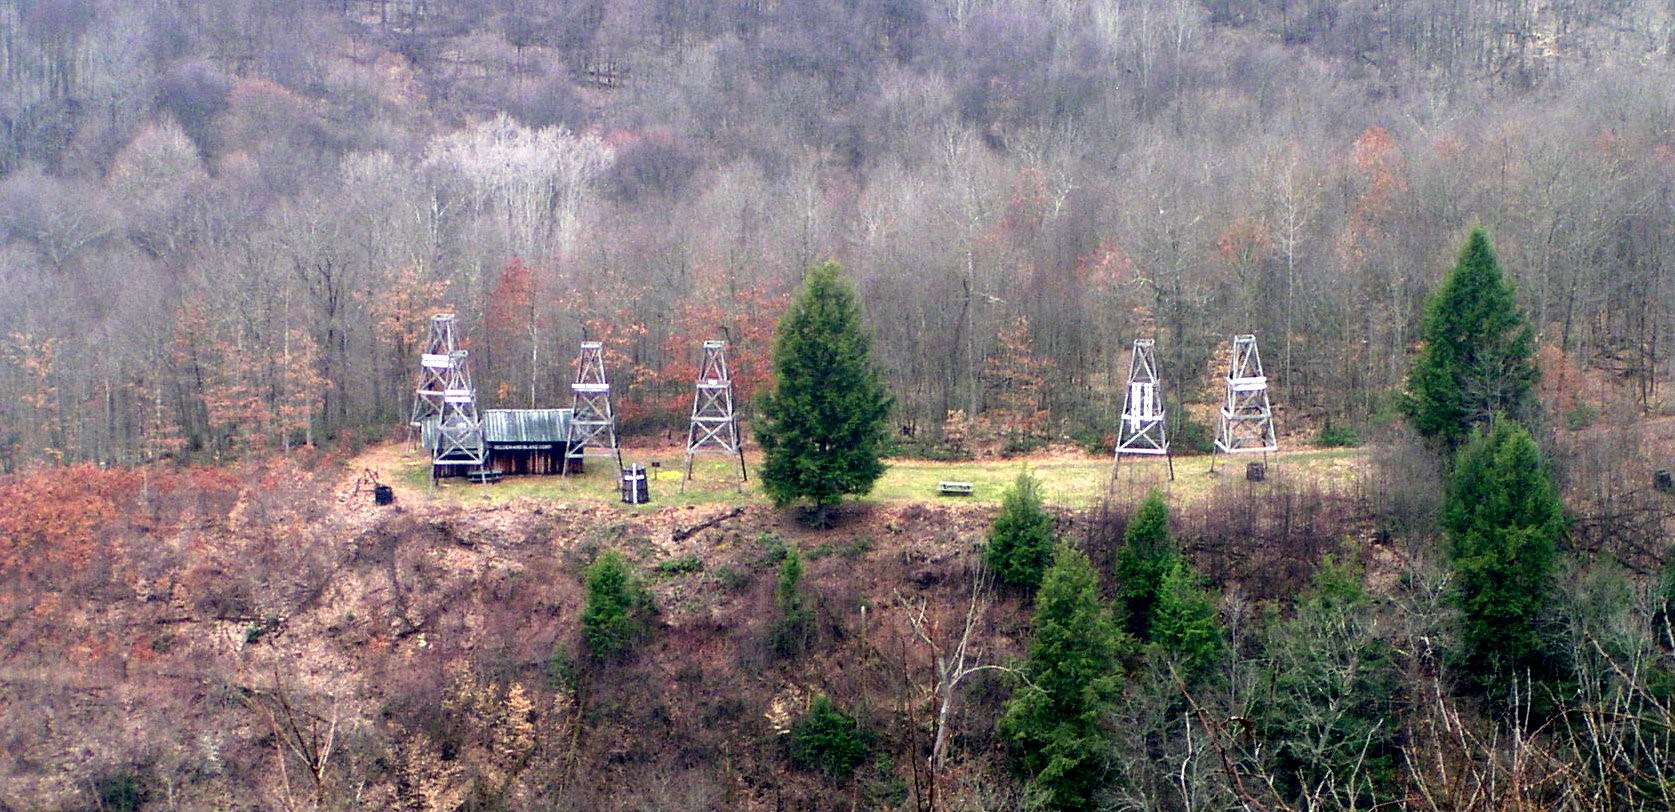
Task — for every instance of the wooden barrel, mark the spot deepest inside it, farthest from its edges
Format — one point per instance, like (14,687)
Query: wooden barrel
(635,490)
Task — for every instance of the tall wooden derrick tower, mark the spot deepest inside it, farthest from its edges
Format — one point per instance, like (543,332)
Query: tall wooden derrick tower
(1143,429)
(714,428)
(592,422)
(1247,419)
(445,403)
(435,368)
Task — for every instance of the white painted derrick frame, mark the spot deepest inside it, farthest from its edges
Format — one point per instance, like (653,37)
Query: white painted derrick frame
(1247,418)
(459,428)
(714,428)
(436,364)
(1143,428)
(592,421)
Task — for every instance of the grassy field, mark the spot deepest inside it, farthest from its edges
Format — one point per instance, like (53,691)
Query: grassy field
(1067,480)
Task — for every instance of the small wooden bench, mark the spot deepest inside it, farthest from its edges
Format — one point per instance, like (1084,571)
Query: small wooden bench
(954,489)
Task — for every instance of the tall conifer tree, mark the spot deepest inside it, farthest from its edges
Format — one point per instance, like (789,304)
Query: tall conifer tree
(1503,518)
(822,426)
(1477,358)
(1053,722)
(1148,552)
(1184,623)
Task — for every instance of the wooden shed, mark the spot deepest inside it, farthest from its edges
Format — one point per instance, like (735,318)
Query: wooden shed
(528,441)
(520,442)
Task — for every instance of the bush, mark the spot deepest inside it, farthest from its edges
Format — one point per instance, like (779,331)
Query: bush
(121,792)
(790,633)
(1021,539)
(731,579)
(828,740)
(771,550)
(680,566)
(1093,440)
(1580,417)
(617,606)
(1021,444)
(1337,436)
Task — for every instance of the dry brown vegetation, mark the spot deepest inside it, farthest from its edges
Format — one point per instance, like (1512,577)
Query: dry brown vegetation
(263,635)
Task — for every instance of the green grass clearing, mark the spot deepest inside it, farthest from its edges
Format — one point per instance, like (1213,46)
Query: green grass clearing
(1066,482)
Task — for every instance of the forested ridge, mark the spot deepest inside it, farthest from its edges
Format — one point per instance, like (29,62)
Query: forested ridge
(224,222)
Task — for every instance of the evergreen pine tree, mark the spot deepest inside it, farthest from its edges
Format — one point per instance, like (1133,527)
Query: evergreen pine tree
(829,740)
(614,617)
(822,426)
(1021,539)
(1477,357)
(1503,519)
(1184,623)
(1071,677)
(1147,554)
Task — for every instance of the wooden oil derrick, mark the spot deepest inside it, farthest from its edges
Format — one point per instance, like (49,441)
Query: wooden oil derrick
(714,428)
(458,439)
(1143,429)
(592,422)
(436,365)
(1247,418)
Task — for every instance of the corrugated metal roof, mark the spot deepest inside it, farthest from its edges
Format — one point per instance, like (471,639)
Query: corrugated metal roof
(512,426)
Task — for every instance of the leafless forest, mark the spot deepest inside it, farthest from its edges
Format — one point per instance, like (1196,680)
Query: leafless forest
(224,220)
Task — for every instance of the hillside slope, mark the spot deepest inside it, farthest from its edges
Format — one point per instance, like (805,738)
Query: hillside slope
(266,637)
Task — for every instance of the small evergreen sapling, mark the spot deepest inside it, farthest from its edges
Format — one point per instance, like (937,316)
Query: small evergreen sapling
(617,605)
(829,740)
(1021,539)
(796,620)
(1147,554)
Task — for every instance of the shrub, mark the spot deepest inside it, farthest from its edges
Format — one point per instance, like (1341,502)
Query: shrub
(1021,539)
(121,792)
(617,606)
(1337,435)
(828,740)
(790,633)
(731,579)
(1021,444)
(1580,417)
(1186,430)
(770,549)
(680,566)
